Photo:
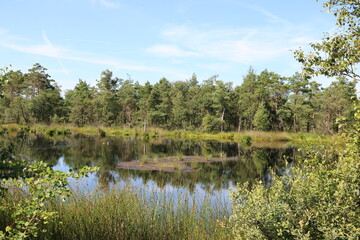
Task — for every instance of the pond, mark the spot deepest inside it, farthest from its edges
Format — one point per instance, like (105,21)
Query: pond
(212,179)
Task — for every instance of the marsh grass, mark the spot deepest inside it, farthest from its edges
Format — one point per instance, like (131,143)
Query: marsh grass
(223,155)
(179,157)
(246,138)
(144,158)
(136,214)
(208,157)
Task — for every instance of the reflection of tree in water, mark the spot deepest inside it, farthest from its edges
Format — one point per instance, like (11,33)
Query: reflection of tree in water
(42,149)
(253,163)
(192,147)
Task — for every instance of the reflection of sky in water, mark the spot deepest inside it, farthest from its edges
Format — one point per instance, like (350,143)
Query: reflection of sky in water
(86,185)
(90,185)
(210,184)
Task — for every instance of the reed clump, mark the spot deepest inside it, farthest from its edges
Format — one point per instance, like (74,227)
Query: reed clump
(137,214)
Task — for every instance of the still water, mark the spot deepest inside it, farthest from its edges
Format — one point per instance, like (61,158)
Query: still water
(212,180)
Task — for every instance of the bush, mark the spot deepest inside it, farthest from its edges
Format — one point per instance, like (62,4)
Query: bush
(67,132)
(26,189)
(102,133)
(246,140)
(318,200)
(51,132)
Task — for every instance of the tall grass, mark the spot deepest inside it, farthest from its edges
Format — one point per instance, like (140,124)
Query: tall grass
(129,213)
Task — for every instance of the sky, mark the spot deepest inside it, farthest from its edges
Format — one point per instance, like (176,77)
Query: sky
(147,40)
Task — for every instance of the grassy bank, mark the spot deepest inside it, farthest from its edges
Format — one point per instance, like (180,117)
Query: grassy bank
(246,137)
(133,214)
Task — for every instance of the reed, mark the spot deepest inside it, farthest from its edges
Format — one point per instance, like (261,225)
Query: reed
(129,213)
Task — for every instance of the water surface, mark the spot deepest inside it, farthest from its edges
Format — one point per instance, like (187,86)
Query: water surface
(213,180)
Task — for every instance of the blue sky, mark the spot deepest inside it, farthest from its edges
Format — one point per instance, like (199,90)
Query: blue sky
(148,40)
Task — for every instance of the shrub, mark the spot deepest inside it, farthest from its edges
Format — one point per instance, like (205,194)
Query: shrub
(318,200)
(25,191)
(67,132)
(146,137)
(51,132)
(102,133)
(246,140)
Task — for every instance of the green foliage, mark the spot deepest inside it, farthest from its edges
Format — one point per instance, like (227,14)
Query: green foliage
(180,110)
(81,104)
(160,103)
(26,189)
(51,132)
(262,118)
(106,99)
(246,140)
(332,104)
(337,54)
(102,133)
(298,111)
(29,213)
(30,97)
(211,123)
(2,81)
(292,104)
(318,200)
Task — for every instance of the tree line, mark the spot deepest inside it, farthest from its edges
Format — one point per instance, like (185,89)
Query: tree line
(264,101)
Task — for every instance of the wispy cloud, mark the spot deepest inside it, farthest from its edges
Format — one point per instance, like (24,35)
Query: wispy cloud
(106,3)
(49,49)
(303,40)
(236,45)
(42,49)
(170,51)
(239,45)
(216,66)
(55,51)
(270,17)
(115,64)
(265,42)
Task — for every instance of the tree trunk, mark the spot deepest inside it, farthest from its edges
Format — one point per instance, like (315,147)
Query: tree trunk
(144,129)
(222,120)
(239,127)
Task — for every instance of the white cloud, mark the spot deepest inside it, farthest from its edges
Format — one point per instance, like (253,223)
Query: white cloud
(170,51)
